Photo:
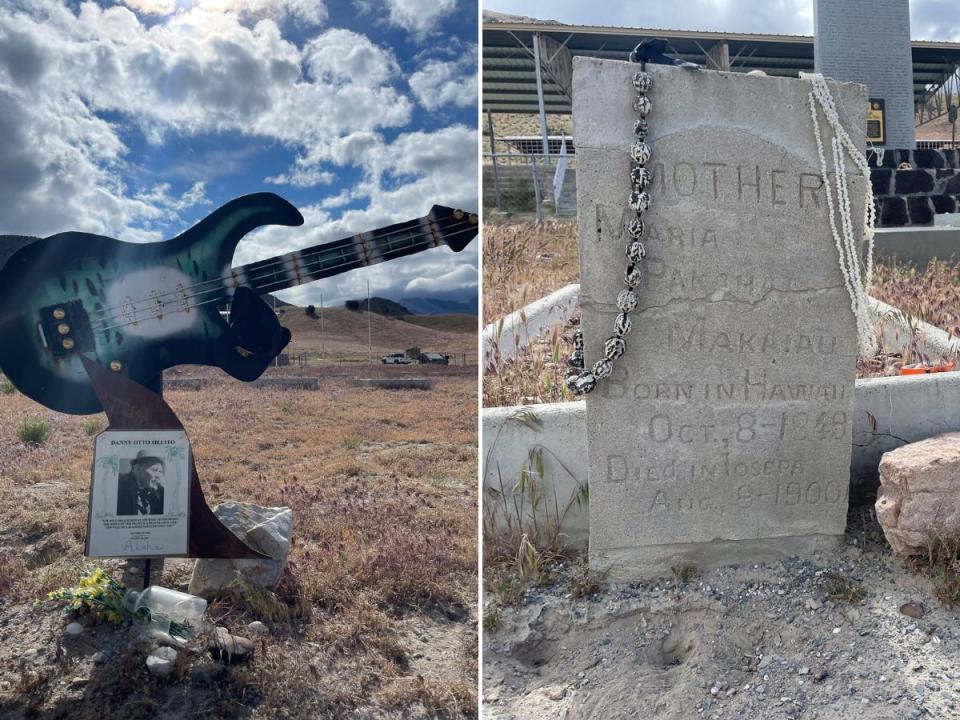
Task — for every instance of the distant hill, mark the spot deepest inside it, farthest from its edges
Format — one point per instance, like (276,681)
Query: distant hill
(380,306)
(446,323)
(440,306)
(345,332)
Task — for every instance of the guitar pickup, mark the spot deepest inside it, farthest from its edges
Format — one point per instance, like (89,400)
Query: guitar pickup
(66,328)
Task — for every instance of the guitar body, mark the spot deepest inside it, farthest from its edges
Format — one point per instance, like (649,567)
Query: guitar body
(136,308)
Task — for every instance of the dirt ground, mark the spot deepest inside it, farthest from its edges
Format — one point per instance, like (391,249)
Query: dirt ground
(376,615)
(797,639)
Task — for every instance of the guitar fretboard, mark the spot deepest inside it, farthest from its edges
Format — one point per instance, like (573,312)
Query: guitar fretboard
(360,250)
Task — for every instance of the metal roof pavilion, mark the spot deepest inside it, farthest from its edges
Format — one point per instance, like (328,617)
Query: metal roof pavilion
(510,82)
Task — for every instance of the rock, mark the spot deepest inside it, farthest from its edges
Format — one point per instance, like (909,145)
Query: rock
(74,629)
(919,493)
(266,529)
(160,662)
(231,649)
(913,609)
(258,628)
(207,673)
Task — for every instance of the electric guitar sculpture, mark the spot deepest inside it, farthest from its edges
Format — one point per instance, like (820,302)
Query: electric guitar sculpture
(139,308)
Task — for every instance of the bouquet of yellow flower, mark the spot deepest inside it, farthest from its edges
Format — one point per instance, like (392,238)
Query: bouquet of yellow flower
(97,593)
(103,596)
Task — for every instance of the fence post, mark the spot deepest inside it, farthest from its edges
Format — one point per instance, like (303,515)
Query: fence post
(536,190)
(493,155)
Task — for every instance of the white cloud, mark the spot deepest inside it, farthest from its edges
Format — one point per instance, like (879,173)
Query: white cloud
(308,12)
(437,168)
(302,177)
(458,276)
(201,70)
(152,7)
(344,57)
(421,16)
(437,82)
(207,69)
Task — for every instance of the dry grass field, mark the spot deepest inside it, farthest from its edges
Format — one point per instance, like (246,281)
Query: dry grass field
(376,615)
(344,333)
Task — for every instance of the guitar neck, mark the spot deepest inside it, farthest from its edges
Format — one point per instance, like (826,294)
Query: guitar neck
(357,251)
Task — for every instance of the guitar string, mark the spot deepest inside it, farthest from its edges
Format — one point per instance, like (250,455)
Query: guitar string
(271,267)
(266,288)
(274,263)
(279,283)
(258,273)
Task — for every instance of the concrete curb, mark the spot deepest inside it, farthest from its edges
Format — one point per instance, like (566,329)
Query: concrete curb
(932,341)
(888,413)
(522,326)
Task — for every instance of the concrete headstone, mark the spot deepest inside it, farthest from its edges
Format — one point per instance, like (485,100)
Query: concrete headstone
(724,433)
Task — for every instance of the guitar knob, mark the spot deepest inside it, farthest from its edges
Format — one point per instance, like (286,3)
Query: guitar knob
(67,344)
(63,329)
(116,365)
(458,214)
(59,314)
(473,218)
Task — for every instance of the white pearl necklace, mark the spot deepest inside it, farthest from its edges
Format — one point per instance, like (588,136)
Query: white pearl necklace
(847,245)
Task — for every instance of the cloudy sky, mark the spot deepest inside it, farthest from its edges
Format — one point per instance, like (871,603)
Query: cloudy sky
(136,119)
(929,19)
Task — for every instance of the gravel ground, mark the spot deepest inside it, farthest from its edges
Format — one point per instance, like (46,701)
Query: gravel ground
(757,641)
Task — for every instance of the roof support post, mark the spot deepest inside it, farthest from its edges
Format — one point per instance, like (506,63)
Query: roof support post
(718,56)
(543,112)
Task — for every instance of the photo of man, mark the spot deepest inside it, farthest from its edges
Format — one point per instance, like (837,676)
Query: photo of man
(140,491)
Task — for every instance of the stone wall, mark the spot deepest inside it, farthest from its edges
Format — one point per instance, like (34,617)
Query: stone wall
(912,197)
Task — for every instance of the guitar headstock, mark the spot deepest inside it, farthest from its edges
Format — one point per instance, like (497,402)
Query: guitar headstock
(455,227)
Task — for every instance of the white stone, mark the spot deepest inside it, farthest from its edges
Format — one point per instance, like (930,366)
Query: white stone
(74,629)
(265,529)
(161,661)
(258,628)
(919,496)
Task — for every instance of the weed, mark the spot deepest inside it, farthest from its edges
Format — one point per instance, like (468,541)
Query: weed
(585,582)
(683,573)
(92,426)
(942,563)
(6,387)
(492,617)
(352,442)
(841,588)
(33,431)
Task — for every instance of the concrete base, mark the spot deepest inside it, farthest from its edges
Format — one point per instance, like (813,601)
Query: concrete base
(419,383)
(291,383)
(917,245)
(888,413)
(508,336)
(656,560)
(947,220)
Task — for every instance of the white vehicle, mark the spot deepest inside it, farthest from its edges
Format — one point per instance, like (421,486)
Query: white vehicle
(396,359)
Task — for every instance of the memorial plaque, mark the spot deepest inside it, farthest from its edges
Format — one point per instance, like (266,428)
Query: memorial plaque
(724,433)
(140,495)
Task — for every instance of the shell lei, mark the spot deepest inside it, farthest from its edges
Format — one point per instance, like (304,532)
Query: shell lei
(856,279)
(578,380)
